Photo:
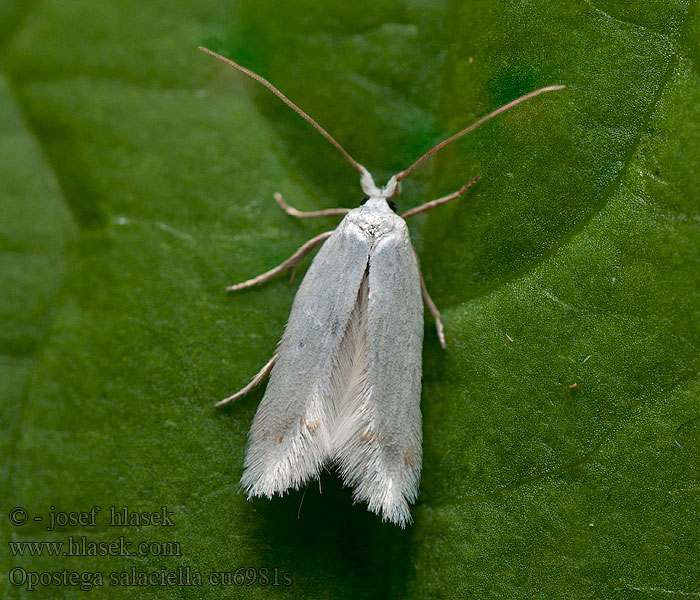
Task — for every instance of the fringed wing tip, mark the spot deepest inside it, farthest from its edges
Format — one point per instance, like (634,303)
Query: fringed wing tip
(395,510)
(273,483)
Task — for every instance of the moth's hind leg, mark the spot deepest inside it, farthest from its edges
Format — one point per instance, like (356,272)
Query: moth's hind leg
(299,214)
(290,263)
(257,380)
(424,290)
(433,311)
(287,264)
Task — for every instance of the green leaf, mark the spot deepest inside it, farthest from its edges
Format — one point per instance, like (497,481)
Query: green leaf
(562,424)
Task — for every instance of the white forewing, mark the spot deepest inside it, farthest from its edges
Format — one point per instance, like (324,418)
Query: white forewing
(377,436)
(289,438)
(346,384)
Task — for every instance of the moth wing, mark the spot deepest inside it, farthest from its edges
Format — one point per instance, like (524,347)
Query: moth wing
(378,434)
(289,439)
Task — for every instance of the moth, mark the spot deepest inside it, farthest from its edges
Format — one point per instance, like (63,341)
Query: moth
(345,381)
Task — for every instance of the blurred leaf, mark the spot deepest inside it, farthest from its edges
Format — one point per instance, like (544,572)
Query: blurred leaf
(561,425)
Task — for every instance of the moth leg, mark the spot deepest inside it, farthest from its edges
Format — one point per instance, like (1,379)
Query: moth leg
(439,201)
(287,264)
(259,378)
(433,311)
(293,212)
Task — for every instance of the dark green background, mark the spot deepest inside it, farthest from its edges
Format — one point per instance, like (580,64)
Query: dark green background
(136,181)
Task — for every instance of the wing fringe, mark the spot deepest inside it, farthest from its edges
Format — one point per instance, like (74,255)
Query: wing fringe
(356,435)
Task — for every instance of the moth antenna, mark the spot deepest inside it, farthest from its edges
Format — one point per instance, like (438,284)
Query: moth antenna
(473,126)
(291,105)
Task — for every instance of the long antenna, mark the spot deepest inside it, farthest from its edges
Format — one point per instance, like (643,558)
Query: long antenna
(473,126)
(289,103)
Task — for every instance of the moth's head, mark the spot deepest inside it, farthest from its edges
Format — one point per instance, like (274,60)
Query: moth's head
(389,191)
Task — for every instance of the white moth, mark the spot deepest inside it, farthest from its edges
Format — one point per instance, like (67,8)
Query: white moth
(345,381)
